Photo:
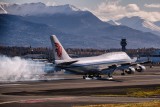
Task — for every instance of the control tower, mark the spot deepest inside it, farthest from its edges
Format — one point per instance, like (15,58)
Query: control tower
(123,43)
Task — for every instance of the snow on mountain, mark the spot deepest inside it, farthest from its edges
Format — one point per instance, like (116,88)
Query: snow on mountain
(140,24)
(157,23)
(2,10)
(112,22)
(151,25)
(35,9)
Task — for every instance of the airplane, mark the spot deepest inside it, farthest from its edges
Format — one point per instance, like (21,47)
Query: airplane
(95,66)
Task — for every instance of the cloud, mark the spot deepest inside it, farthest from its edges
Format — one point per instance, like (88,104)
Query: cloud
(108,7)
(49,3)
(112,10)
(150,16)
(152,5)
(109,10)
(132,7)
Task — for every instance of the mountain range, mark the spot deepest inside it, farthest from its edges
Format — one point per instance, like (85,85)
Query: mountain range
(33,23)
(36,9)
(157,23)
(138,23)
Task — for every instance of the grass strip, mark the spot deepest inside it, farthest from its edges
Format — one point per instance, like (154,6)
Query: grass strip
(143,104)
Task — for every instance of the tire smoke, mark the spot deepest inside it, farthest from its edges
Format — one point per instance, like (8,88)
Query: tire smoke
(19,69)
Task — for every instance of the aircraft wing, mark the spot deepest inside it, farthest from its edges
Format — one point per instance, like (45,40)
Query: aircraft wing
(145,62)
(123,65)
(114,66)
(135,63)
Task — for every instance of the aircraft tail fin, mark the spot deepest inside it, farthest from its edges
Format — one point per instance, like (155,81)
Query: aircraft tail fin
(58,50)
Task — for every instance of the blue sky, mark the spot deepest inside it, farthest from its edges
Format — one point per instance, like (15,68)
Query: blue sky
(109,9)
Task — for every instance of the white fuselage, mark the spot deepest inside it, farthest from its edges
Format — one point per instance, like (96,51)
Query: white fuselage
(89,65)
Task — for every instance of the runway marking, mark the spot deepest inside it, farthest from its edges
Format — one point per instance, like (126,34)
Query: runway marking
(7,102)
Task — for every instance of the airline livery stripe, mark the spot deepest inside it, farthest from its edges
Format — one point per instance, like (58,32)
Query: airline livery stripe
(99,63)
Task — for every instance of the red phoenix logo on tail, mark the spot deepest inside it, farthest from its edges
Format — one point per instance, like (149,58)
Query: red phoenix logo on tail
(58,50)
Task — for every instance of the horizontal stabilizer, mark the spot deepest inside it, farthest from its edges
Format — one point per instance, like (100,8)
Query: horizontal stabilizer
(67,63)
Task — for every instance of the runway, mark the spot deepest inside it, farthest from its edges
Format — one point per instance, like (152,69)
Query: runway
(72,90)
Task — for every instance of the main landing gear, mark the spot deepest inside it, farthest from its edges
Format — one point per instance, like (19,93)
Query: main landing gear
(89,77)
(110,76)
(123,72)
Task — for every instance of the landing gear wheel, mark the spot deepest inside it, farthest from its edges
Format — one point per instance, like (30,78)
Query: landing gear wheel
(99,76)
(110,77)
(87,77)
(123,73)
(90,76)
(84,77)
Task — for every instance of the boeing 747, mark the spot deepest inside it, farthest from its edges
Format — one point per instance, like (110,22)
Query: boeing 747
(94,67)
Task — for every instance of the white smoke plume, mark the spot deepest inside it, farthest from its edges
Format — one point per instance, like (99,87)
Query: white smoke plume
(18,69)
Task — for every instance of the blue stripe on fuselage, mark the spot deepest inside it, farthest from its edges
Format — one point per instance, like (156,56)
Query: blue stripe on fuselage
(99,63)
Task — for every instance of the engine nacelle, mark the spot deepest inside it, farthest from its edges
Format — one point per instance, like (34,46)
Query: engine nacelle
(131,70)
(140,68)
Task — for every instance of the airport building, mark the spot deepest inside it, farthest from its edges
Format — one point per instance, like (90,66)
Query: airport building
(153,56)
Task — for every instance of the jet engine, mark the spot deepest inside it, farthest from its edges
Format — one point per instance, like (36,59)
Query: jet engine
(131,70)
(140,68)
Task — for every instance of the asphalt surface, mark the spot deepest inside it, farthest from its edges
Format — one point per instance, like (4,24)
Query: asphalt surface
(72,90)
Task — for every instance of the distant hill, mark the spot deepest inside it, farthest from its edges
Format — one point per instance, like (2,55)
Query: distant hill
(75,29)
(18,32)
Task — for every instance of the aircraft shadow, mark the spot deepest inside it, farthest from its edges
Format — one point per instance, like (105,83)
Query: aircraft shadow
(115,80)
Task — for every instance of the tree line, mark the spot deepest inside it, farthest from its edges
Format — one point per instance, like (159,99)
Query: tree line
(73,52)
